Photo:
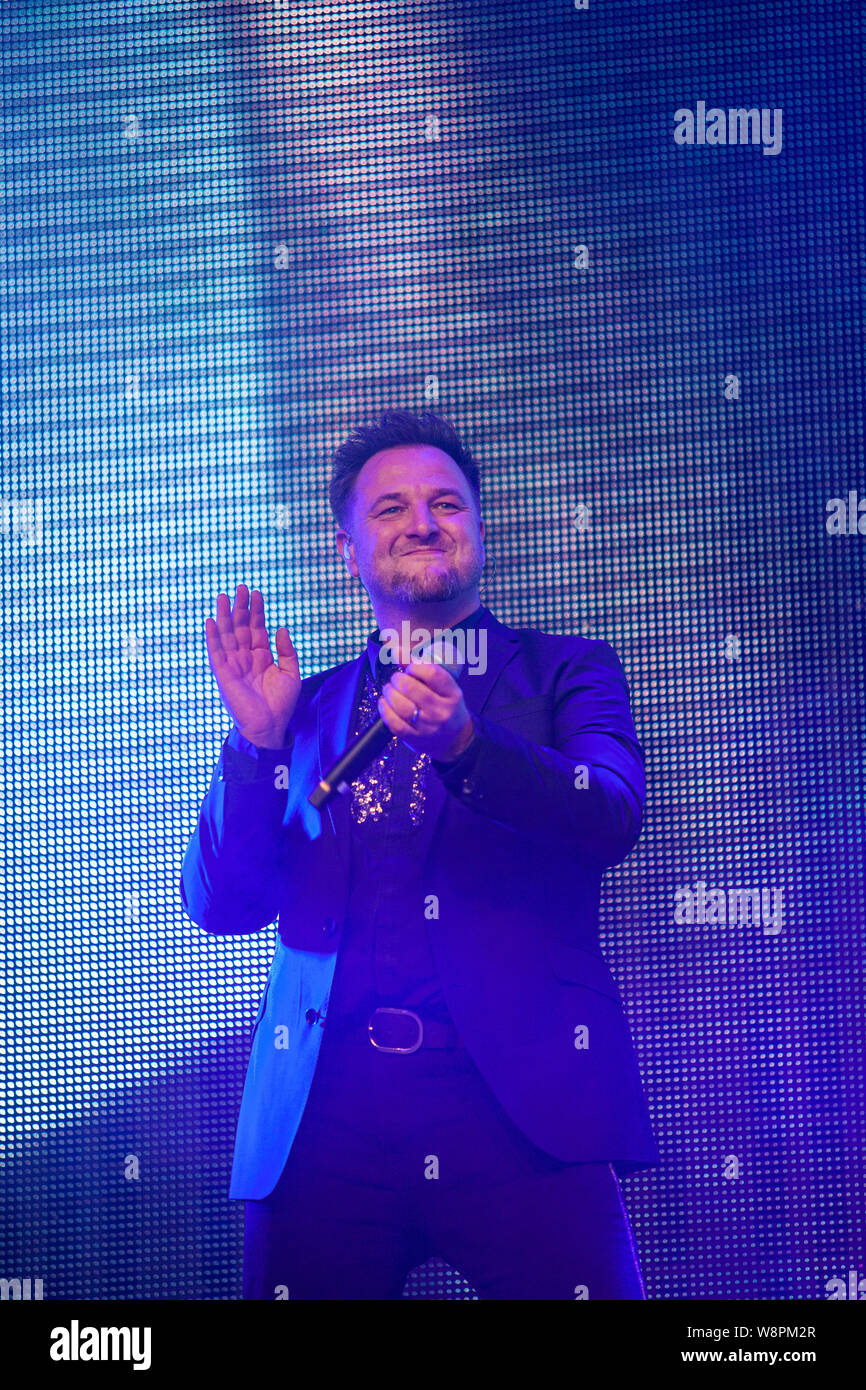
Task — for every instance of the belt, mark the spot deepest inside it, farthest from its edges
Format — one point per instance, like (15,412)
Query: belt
(399,1030)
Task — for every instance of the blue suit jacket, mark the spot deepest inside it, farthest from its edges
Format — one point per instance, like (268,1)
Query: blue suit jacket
(514,855)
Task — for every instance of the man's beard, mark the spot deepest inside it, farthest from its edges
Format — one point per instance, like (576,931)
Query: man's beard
(426,587)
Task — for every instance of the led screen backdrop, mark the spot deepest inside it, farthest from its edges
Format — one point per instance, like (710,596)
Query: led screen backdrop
(620,247)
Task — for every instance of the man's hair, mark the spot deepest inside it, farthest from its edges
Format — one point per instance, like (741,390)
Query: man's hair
(395,427)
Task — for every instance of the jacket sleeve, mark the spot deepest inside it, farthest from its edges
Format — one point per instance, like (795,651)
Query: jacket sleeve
(586,792)
(231,881)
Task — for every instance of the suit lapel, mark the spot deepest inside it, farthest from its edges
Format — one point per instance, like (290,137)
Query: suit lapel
(336,700)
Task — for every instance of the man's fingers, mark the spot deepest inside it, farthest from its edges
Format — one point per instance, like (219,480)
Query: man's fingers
(402,704)
(225,624)
(418,690)
(241,617)
(216,655)
(241,625)
(257,629)
(240,629)
(402,700)
(285,649)
(432,675)
(391,717)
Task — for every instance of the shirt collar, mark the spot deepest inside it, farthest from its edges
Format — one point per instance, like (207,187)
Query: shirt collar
(382,672)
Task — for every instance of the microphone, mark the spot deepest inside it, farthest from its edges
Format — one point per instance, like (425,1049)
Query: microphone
(441,651)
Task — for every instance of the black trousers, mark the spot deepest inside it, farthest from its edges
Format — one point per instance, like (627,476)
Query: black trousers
(402,1157)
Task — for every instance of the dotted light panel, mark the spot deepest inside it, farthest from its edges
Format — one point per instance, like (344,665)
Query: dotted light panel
(619,245)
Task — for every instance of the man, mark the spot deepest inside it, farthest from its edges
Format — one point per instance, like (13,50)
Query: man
(441,1063)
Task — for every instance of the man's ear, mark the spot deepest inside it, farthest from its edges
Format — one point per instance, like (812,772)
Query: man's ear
(344,547)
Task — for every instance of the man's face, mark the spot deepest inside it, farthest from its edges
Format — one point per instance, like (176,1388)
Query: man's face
(415,535)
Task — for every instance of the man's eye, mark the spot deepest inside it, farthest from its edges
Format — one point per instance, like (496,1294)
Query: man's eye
(395,507)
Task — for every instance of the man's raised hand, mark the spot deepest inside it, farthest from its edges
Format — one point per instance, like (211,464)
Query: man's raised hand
(259,693)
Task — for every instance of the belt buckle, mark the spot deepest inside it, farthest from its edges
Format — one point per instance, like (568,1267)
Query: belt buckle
(411,1013)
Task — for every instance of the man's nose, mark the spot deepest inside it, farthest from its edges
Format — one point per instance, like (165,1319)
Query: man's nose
(422,522)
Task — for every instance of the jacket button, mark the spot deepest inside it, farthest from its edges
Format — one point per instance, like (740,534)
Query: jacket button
(311,1015)
(330,926)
